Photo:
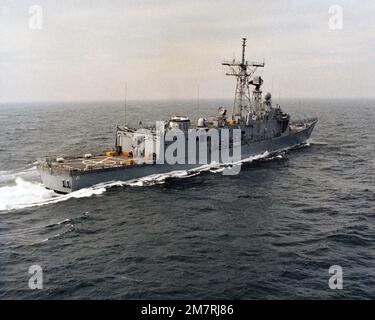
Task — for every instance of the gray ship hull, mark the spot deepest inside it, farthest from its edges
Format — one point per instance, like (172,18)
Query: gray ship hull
(66,182)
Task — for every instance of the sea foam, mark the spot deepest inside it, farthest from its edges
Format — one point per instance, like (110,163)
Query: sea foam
(20,193)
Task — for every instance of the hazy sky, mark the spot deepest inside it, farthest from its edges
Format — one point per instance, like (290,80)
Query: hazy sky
(87,50)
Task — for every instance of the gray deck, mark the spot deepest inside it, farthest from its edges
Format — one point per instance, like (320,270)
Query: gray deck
(94,162)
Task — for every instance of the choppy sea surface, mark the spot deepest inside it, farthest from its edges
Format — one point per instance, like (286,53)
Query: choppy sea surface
(271,232)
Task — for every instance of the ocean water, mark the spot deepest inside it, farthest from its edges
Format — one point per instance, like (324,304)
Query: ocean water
(271,232)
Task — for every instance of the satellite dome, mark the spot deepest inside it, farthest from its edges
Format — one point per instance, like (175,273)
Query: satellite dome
(222,111)
(202,122)
(268,96)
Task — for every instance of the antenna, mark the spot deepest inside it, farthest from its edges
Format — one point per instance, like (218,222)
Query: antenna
(243,50)
(198,101)
(125,106)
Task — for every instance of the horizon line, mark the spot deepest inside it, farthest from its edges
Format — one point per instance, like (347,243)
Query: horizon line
(173,99)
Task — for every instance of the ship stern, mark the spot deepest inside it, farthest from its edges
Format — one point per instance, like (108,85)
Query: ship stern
(59,181)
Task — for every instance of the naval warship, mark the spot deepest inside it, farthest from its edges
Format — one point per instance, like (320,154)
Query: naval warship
(262,128)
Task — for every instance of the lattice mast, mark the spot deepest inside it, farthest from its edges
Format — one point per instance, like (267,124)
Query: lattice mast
(243,71)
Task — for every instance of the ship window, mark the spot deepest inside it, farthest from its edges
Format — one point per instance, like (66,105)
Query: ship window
(64,183)
(68,184)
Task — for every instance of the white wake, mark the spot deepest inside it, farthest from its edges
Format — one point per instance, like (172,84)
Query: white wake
(22,192)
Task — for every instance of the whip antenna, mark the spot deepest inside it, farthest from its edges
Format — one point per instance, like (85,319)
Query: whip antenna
(125,106)
(198,106)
